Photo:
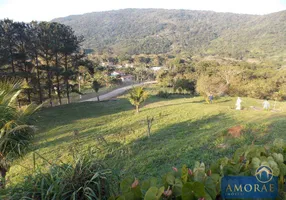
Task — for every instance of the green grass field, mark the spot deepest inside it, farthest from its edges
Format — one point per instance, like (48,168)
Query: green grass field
(185,129)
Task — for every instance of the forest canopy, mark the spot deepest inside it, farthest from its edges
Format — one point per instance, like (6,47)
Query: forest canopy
(154,31)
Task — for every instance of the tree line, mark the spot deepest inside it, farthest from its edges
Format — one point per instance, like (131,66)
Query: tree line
(45,55)
(260,81)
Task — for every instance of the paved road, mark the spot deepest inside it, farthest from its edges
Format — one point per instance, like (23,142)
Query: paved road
(117,92)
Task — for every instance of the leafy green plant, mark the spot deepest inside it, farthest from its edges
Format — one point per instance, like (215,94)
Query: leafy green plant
(203,183)
(207,85)
(247,159)
(179,184)
(163,94)
(137,95)
(15,131)
(149,121)
(86,179)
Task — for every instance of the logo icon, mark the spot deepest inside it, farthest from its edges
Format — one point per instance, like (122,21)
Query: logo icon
(264,174)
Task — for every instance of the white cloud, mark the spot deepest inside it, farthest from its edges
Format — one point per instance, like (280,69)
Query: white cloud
(27,10)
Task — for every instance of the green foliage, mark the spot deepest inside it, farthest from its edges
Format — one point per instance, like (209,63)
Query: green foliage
(15,131)
(192,132)
(207,85)
(154,193)
(163,94)
(85,179)
(137,95)
(184,84)
(136,31)
(187,184)
(183,184)
(96,86)
(44,55)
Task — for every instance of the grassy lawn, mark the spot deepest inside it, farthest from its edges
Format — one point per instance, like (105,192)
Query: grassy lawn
(185,129)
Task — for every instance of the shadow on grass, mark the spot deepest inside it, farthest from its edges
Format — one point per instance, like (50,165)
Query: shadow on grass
(222,101)
(200,101)
(51,118)
(92,134)
(174,145)
(190,141)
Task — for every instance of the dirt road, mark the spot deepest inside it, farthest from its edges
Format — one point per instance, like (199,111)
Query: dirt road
(118,92)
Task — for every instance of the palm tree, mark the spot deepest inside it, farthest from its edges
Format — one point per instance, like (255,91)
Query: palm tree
(137,95)
(15,132)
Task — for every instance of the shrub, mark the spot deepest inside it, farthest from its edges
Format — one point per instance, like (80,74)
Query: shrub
(86,179)
(204,183)
(184,84)
(90,180)
(16,131)
(163,94)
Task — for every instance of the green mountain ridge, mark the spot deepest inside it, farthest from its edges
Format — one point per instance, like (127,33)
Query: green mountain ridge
(154,31)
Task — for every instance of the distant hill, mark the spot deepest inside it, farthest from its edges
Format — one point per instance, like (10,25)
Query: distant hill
(136,31)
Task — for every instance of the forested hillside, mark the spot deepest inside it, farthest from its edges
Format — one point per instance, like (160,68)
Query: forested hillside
(136,31)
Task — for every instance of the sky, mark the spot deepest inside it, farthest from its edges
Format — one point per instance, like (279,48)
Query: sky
(46,10)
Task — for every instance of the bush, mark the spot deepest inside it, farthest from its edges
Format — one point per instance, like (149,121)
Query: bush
(163,94)
(86,179)
(185,84)
(15,128)
(90,180)
(207,85)
(205,182)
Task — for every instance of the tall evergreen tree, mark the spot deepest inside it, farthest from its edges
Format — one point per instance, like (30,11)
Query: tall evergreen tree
(71,54)
(8,44)
(44,55)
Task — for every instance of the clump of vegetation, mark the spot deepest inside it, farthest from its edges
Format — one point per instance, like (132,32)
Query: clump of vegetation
(137,96)
(88,179)
(163,94)
(183,84)
(16,131)
(149,121)
(96,86)
(203,182)
(85,179)
(207,85)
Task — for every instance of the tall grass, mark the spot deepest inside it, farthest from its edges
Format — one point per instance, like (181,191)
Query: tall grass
(86,179)
(15,131)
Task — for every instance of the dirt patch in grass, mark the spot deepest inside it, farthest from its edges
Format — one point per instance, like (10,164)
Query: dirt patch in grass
(235,131)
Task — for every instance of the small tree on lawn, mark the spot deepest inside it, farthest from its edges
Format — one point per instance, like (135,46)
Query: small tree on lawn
(96,86)
(137,95)
(207,85)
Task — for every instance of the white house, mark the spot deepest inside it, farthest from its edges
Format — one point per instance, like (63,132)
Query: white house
(127,78)
(117,73)
(155,69)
